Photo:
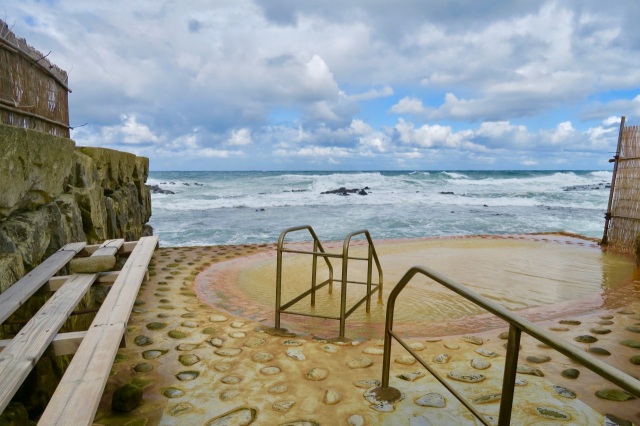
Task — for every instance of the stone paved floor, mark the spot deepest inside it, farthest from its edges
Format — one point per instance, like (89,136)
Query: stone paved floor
(198,365)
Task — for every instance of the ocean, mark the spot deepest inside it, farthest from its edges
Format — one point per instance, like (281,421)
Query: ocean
(211,208)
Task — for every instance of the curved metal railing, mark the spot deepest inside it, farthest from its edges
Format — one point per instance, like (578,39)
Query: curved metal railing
(318,251)
(516,326)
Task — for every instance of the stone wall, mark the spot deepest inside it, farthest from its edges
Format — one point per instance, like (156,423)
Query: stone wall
(53,193)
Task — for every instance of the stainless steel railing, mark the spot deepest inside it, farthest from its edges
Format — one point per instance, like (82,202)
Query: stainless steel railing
(517,325)
(318,251)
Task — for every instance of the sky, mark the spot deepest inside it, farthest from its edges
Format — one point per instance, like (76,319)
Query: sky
(345,85)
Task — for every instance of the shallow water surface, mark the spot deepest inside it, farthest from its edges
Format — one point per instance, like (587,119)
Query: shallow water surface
(524,274)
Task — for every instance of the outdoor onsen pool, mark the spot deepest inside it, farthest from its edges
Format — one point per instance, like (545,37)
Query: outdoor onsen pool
(540,276)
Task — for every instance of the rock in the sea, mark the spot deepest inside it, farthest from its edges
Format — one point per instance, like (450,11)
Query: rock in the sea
(155,189)
(126,398)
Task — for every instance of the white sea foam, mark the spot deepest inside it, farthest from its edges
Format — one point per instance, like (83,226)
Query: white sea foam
(244,207)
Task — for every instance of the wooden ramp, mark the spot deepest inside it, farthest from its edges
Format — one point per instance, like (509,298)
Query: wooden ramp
(76,398)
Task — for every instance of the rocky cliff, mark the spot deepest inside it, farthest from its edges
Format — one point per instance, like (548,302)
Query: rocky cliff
(52,193)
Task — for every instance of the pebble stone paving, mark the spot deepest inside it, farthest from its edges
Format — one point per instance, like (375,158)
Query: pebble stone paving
(198,365)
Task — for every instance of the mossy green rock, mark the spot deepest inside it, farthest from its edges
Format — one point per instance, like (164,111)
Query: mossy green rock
(635,360)
(614,395)
(177,334)
(585,339)
(126,398)
(570,373)
(632,343)
(156,325)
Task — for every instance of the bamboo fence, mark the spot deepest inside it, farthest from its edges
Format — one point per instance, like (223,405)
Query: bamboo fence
(33,91)
(624,211)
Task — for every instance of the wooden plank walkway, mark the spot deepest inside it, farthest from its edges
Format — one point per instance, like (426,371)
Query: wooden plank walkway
(76,398)
(24,288)
(26,348)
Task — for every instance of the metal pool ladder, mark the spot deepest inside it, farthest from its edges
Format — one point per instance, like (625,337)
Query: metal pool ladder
(318,251)
(517,325)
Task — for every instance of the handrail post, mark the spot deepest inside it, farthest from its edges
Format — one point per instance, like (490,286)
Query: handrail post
(369,270)
(314,272)
(509,378)
(343,288)
(279,278)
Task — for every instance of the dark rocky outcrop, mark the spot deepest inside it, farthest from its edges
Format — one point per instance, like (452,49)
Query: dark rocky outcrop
(592,187)
(344,191)
(155,189)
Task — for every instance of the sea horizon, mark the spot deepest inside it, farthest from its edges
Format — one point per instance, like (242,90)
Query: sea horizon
(245,207)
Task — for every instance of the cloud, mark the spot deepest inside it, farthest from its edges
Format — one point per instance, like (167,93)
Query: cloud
(391,84)
(409,105)
(240,137)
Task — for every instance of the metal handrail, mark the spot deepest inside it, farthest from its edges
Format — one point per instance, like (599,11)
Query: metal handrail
(318,251)
(516,326)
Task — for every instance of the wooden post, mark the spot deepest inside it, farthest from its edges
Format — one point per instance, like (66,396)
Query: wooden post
(607,216)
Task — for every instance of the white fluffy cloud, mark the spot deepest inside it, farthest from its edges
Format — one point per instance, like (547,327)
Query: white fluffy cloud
(515,84)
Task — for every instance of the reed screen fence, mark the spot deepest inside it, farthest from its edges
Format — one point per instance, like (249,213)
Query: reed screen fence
(33,91)
(623,215)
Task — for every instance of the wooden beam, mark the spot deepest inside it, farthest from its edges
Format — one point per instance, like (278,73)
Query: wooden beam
(62,344)
(20,355)
(103,278)
(76,398)
(26,286)
(108,248)
(126,248)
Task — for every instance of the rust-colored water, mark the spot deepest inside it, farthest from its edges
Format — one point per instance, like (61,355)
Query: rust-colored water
(527,274)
